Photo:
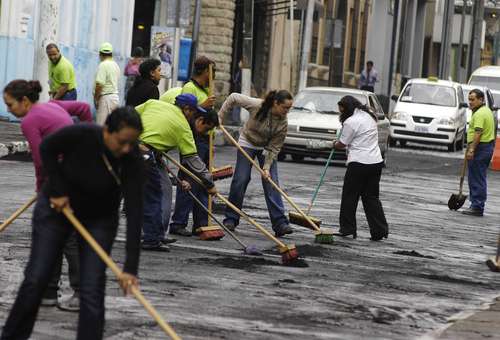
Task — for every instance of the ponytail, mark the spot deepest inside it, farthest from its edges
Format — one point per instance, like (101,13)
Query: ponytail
(20,88)
(349,103)
(280,96)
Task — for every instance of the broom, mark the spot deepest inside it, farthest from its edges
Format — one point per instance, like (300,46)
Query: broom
(321,235)
(16,214)
(288,253)
(114,268)
(493,263)
(297,218)
(249,250)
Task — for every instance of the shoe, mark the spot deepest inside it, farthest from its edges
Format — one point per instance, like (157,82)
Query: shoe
(181,231)
(472,212)
(168,240)
(283,230)
(155,247)
(49,302)
(230,225)
(72,304)
(379,237)
(342,234)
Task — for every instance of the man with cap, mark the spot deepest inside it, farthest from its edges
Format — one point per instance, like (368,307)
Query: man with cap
(61,75)
(167,127)
(106,84)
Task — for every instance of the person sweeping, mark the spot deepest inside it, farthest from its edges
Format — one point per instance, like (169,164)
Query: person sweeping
(262,137)
(38,121)
(364,167)
(89,169)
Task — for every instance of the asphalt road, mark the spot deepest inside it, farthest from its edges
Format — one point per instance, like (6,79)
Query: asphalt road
(429,269)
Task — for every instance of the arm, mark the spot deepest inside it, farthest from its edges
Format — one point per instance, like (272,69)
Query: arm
(34,137)
(274,147)
(62,90)
(76,108)
(238,99)
(190,158)
(472,146)
(97,94)
(345,138)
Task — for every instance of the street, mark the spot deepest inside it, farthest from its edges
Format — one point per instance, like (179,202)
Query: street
(429,269)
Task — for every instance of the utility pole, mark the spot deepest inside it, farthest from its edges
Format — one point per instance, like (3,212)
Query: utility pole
(477,31)
(306,46)
(446,36)
(246,70)
(177,43)
(336,55)
(196,34)
(395,19)
(458,59)
(292,35)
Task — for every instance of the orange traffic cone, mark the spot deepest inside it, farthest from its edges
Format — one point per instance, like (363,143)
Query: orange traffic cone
(495,160)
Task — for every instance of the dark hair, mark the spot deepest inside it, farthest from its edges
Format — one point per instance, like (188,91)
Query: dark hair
(369,62)
(102,54)
(125,116)
(479,94)
(280,96)
(349,103)
(201,65)
(51,45)
(148,66)
(138,52)
(209,117)
(20,88)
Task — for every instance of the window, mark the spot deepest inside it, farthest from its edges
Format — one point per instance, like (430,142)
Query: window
(429,94)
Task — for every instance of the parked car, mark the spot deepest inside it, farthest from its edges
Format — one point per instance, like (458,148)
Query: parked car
(430,111)
(488,97)
(313,122)
(488,76)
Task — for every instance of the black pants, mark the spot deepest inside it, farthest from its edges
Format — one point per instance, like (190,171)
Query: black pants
(362,180)
(50,233)
(70,252)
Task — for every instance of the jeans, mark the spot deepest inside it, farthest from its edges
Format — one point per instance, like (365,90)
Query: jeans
(50,233)
(239,184)
(184,204)
(477,170)
(157,201)
(362,180)
(69,95)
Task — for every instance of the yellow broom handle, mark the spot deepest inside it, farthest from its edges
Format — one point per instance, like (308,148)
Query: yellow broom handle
(276,186)
(16,214)
(114,268)
(232,206)
(210,167)
(210,79)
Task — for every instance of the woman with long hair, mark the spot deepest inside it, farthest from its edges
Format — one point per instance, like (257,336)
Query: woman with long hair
(364,168)
(262,137)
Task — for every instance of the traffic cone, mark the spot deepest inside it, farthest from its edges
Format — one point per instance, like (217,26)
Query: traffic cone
(495,160)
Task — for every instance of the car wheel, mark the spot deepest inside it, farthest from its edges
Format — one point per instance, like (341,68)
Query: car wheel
(392,141)
(297,158)
(460,143)
(402,143)
(281,156)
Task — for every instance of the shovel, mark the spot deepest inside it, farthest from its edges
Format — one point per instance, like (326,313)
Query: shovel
(456,201)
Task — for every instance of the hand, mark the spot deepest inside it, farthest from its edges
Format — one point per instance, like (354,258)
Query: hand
(126,282)
(266,174)
(212,190)
(58,203)
(208,103)
(470,154)
(96,103)
(185,185)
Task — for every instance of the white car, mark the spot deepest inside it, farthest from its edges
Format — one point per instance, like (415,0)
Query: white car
(313,122)
(488,76)
(488,97)
(430,111)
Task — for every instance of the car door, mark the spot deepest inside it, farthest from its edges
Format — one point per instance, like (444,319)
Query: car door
(382,124)
(490,103)
(462,112)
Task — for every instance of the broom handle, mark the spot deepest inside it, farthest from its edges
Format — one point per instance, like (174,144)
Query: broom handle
(321,179)
(210,167)
(498,250)
(16,214)
(114,268)
(269,179)
(232,206)
(462,174)
(210,80)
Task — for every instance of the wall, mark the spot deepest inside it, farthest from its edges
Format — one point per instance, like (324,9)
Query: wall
(82,26)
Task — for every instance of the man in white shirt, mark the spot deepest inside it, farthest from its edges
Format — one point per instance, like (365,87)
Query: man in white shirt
(106,84)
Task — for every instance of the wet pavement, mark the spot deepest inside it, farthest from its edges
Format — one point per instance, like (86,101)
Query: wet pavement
(429,269)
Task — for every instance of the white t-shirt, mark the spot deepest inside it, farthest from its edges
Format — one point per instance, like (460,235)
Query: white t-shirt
(360,135)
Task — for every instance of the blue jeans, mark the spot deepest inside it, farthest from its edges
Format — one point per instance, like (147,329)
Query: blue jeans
(69,95)
(184,204)
(477,170)
(241,178)
(157,201)
(50,233)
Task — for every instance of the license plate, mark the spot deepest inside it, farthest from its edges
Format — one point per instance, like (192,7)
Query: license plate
(421,129)
(318,144)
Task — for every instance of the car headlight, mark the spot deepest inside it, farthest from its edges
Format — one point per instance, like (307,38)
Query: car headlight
(446,121)
(292,128)
(400,116)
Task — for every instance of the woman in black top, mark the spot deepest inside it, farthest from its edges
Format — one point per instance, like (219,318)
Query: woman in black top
(89,168)
(146,85)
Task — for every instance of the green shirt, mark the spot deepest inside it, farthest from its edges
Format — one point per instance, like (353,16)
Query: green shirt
(61,73)
(166,127)
(200,94)
(170,95)
(108,73)
(482,119)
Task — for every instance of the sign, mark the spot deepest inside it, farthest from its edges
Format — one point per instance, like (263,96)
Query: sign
(178,13)
(162,47)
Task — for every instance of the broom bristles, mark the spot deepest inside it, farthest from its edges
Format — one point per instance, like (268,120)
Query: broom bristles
(323,238)
(212,233)
(222,173)
(298,219)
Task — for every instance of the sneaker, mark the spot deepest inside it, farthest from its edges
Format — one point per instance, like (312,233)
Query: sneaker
(229,225)
(49,302)
(181,231)
(283,230)
(472,212)
(71,304)
(155,247)
(168,240)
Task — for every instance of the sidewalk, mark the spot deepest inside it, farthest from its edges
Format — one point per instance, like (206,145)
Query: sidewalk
(12,140)
(483,324)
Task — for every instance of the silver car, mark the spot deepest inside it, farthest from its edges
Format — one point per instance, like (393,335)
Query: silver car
(313,122)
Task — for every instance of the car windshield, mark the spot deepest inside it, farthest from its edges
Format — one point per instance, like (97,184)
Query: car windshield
(322,101)
(493,83)
(429,94)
